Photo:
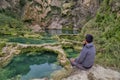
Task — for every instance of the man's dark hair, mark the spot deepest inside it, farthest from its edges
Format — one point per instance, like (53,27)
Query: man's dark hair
(89,38)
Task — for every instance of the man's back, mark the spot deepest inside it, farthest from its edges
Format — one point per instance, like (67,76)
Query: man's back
(87,55)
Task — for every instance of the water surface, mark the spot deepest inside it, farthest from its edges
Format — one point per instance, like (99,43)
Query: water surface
(46,37)
(33,66)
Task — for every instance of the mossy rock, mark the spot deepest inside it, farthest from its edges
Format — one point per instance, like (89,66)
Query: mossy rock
(67,27)
(59,75)
(3,44)
(67,45)
(67,5)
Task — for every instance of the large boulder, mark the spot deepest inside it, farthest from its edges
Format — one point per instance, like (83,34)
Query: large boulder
(95,73)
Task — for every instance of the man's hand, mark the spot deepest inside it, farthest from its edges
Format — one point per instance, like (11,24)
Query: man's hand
(84,43)
(72,59)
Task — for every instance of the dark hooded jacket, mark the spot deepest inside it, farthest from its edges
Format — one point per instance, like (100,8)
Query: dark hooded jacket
(87,55)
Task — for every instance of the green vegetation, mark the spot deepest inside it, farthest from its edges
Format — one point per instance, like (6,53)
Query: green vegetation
(9,12)
(11,26)
(70,37)
(2,44)
(71,52)
(106,29)
(3,74)
(22,3)
(68,27)
(55,10)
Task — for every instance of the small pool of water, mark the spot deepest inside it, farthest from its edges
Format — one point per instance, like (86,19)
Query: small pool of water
(33,66)
(40,71)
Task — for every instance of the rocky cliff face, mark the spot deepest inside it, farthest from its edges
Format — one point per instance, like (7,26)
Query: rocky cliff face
(52,14)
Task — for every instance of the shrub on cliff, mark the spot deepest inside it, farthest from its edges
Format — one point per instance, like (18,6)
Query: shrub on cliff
(11,26)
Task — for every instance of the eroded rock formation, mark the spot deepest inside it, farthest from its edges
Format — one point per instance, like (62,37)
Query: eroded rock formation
(45,13)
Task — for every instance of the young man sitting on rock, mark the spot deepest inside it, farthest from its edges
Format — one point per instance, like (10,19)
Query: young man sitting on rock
(87,55)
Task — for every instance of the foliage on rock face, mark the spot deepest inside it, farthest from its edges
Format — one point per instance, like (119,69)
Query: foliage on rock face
(14,27)
(2,44)
(11,26)
(12,8)
(3,74)
(106,30)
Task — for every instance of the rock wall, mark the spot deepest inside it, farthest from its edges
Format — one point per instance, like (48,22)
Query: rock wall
(52,14)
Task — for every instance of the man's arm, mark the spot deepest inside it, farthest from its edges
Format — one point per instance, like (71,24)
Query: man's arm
(82,56)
